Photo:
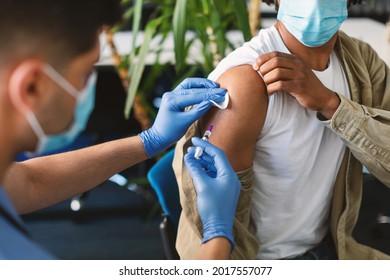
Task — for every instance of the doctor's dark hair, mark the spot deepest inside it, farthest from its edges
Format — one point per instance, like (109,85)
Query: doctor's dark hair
(56,30)
(275,2)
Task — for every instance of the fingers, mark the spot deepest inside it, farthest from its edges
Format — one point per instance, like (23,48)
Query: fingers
(193,165)
(281,86)
(209,148)
(196,83)
(197,112)
(199,91)
(206,161)
(281,72)
(185,98)
(277,56)
(205,156)
(290,63)
(276,65)
(221,162)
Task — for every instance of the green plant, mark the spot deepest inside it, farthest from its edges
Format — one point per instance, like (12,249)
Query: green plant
(201,23)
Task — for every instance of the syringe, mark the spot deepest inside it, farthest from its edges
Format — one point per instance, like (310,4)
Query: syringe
(206,136)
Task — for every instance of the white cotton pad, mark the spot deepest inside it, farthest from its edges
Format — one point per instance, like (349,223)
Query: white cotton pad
(222,105)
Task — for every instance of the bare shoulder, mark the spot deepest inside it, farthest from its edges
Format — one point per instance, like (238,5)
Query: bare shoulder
(244,84)
(236,129)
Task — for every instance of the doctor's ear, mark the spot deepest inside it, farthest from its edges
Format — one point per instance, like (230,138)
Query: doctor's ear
(27,84)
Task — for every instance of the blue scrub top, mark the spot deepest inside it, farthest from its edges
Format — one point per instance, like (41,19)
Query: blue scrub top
(15,243)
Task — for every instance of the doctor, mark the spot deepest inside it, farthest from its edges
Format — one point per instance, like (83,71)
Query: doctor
(47,83)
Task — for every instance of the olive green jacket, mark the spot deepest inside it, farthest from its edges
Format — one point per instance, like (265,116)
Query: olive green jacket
(363,124)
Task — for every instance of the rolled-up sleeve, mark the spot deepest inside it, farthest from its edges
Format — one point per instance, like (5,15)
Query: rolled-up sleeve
(366,132)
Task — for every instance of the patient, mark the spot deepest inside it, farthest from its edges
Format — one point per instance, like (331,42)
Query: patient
(297,144)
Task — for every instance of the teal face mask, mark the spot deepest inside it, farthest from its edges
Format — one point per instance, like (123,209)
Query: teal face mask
(312,22)
(85,101)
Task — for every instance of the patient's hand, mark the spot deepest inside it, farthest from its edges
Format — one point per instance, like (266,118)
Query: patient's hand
(237,128)
(284,72)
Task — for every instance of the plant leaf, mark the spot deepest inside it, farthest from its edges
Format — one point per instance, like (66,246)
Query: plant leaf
(241,10)
(179,32)
(137,68)
(136,20)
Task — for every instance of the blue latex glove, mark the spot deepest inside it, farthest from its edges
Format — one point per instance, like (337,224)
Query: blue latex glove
(217,188)
(172,121)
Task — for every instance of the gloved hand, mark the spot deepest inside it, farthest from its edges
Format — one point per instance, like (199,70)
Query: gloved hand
(217,188)
(172,121)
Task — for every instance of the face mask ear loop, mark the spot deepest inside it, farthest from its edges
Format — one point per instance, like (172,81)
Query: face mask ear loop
(36,127)
(61,81)
(35,124)
(90,83)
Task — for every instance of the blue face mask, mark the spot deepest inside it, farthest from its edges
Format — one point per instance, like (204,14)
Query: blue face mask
(312,22)
(85,101)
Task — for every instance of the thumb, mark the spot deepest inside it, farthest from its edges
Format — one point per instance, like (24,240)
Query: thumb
(196,171)
(199,110)
(193,165)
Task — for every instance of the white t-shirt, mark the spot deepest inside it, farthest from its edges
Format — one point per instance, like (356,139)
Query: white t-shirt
(296,160)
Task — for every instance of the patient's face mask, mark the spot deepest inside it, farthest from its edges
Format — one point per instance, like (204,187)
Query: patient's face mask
(313,22)
(85,100)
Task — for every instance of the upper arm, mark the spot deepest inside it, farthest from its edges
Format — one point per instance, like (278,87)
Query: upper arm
(237,128)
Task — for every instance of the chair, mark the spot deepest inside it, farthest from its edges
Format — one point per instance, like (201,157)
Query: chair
(163,181)
(373,224)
